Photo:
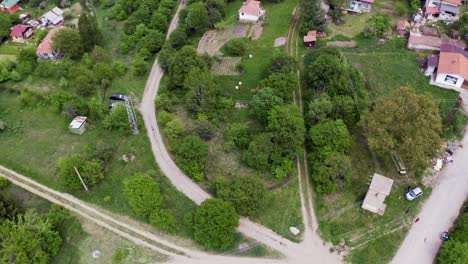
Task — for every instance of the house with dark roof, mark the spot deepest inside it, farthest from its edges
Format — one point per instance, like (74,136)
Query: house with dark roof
(431,65)
(359,6)
(21,33)
(452,68)
(251,11)
(9,6)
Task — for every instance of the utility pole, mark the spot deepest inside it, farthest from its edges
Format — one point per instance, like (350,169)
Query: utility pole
(81,179)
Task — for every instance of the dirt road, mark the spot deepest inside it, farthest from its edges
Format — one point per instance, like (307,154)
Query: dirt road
(438,213)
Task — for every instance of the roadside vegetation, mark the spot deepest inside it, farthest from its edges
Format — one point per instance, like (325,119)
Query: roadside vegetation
(455,250)
(355,101)
(243,155)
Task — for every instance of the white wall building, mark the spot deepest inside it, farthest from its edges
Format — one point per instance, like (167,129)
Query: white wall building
(251,11)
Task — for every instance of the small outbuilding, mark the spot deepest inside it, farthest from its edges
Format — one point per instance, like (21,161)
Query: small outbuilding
(403,27)
(310,38)
(379,189)
(78,125)
(21,33)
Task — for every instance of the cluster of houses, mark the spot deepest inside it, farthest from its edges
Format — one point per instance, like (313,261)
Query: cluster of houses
(23,32)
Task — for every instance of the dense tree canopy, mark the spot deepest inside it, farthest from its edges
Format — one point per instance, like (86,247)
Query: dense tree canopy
(282,84)
(197,20)
(320,109)
(214,223)
(286,124)
(5,24)
(406,123)
(68,42)
(263,102)
(327,138)
(330,175)
(245,193)
(181,63)
(89,31)
(30,239)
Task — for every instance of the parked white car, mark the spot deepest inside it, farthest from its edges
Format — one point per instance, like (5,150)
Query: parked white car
(413,194)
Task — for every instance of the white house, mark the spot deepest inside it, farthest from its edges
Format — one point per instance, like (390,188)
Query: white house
(360,6)
(445,10)
(251,11)
(379,188)
(452,71)
(52,18)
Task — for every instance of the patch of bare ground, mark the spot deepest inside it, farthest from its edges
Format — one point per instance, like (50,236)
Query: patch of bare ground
(226,66)
(213,40)
(256,31)
(342,44)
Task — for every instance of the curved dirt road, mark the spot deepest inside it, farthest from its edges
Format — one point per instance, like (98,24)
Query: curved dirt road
(438,213)
(311,248)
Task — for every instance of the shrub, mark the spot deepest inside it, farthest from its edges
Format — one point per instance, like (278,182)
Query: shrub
(118,119)
(236,135)
(164,220)
(235,47)
(143,194)
(191,155)
(90,171)
(215,223)
(246,194)
(4,182)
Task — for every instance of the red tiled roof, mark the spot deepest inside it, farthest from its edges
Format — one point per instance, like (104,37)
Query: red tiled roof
(453,2)
(402,24)
(311,36)
(251,7)
(454,63)
(46,44)
(18,30)
(430,41)
(432,10)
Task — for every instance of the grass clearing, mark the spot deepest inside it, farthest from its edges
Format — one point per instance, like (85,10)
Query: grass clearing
(7,57)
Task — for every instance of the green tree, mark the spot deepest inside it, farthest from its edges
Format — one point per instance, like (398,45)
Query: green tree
(89,31)
(286,124)
(235,47)
(406,123)
(197,20)
(282,63)
(377,25)
(178,38)
(201,89)
(164,220)
(153,41)
(214,223)
(263,102)
(319,109)
(246,194)
(181,63)
(8,209)
(327,138)
(331,174)
(191,155)
(159,22)
(6,22)
(236,135)
(262,152)
(30,239)
(282,84)
(68,42)
(143,194)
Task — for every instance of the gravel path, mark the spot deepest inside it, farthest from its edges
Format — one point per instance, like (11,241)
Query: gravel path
(438,213)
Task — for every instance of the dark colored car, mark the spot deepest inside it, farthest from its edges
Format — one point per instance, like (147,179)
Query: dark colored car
(119,97)
(444,236)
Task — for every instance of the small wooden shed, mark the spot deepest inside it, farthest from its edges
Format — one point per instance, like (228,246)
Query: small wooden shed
(310,38)
(78,125)
(379,189)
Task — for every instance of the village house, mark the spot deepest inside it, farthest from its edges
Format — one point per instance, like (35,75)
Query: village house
(379,188)
(21,33)
(251,11)
(431,66)
(45,50)
(452,67)
(52,18)
(403,28)
(310,38)
(418,41)
(9,6)
(359,6)
(445,10)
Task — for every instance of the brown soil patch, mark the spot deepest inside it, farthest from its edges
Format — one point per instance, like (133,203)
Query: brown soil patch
(213,40)
(227,66)
(388,11)
(256,31)
(342,44)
